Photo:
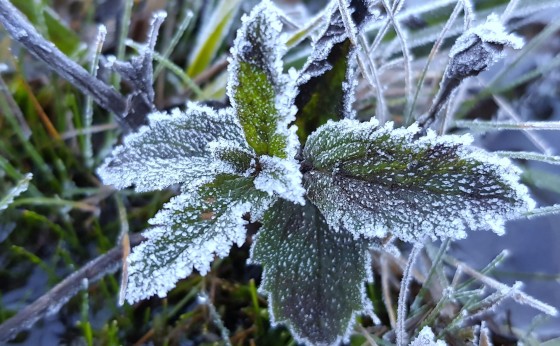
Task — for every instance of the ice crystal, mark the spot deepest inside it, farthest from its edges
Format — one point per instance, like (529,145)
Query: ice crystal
(374,180)
(313,275)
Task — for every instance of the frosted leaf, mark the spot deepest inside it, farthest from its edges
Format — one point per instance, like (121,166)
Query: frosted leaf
(327,81)
(426,338)
(172,149)
(374,180)
(313,276)
(231,157)
(480,47)
(280,176)
(260,93)
(21,187)
(189,231)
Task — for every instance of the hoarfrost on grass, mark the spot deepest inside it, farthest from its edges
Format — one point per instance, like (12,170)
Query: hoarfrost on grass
(427,338)
(17,190)
(373,180)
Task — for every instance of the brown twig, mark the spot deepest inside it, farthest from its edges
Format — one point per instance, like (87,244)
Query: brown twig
(131,110)
(51,302)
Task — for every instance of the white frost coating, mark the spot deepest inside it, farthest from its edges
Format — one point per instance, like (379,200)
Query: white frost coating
(349,85)
(427,338)
(302,258)
(222,150)
(172,149)
(492,31)
(317,63)
(188,233)
(282,177)
(271,49)
(375,180)
(484,339)
(17,190)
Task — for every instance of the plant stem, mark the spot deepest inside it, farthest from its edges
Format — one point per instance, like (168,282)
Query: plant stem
(23,32)
(401,307)
(53,300)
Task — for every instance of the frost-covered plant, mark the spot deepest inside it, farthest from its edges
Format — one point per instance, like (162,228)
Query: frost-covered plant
(322,205)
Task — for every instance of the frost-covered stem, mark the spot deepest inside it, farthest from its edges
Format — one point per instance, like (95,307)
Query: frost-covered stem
(183,25)
(469,14)
(405,52)
(53,300)
(347,19)
(489,303)
(523,155)
(22,31)
(447,86)
(88,113)
(405,282)
(448,112)
(533,137)
(123,34)
(359,40)
(544,211)
(431,56)
(509,10)
(480,125)
(349,25)
(397,5)
(374,81)
(518,296)
(124,240)
(435,263)
(187,81)
(204,299)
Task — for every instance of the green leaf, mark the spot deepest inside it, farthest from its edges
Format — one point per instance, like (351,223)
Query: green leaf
(172,149)
(212,36)
(326,82)
(260,93)
(314,276)
(189,231)
(280,176)
(239,159)
(374,180)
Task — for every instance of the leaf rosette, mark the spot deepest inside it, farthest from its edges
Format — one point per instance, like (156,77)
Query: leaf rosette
(322,207)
